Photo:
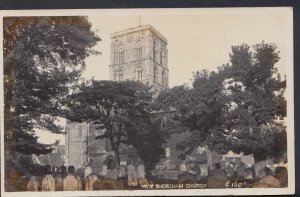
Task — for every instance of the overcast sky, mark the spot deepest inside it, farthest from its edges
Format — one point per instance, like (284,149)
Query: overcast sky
(197,38)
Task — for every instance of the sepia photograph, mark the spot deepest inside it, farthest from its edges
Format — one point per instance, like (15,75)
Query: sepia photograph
(136,102)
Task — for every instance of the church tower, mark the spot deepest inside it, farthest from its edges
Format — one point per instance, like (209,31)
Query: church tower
(140,54)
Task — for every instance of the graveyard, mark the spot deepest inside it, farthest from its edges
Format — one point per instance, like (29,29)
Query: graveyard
(231,171)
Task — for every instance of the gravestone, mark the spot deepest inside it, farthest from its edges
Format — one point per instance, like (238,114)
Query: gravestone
(131,175)
(240,171)
(90,180)
(33,184)
(248,173)
(48,182)
(141,175)
(203,170)
(141,171)
(122,171)
(71,183)
(182,167)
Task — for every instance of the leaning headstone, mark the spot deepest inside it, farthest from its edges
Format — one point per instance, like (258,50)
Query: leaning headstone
(132,176)
(48,182)
(90,180)
(33,184)
(122,171)
(71,183)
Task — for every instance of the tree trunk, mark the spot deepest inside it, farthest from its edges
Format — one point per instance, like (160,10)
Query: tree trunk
(260,164)
(117,158)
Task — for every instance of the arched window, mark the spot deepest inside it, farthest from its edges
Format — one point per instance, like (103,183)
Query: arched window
(139,52)
(121,55)
(139,73)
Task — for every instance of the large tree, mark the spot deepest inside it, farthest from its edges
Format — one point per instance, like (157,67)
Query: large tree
(255,125)
(43,58)
(239,108)
(120,110)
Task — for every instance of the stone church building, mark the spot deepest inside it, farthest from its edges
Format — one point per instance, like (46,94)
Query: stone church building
(138,54)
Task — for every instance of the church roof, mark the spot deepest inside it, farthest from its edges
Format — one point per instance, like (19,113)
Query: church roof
(137,29)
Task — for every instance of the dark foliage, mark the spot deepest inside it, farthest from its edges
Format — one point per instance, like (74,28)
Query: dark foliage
(119,110)
(43,58)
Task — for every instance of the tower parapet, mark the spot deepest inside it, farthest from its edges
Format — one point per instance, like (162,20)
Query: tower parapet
(140,54)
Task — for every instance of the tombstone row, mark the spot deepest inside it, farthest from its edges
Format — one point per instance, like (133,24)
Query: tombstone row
(62,180)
